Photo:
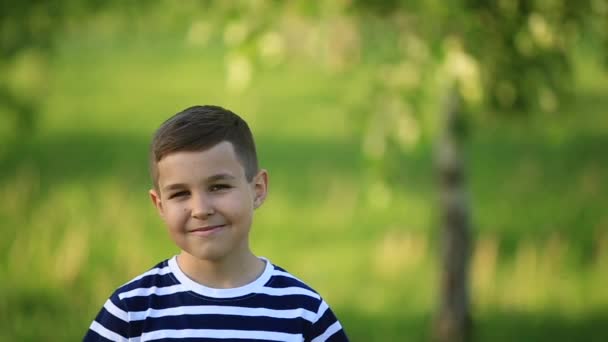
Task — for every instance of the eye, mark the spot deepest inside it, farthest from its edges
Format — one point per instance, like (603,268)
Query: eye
(219,187)
(179,194)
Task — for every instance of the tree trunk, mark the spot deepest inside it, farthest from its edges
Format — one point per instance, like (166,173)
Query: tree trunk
(453,321)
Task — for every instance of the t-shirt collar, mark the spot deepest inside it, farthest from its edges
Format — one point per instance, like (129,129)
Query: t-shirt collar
(206,291)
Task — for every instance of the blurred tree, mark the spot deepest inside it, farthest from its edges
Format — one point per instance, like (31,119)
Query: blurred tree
(29,30)
(502,57)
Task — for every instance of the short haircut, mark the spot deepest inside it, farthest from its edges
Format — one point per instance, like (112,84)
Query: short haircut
(199,128)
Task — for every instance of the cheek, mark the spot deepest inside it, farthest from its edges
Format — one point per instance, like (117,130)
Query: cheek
(237,206)
(175,217)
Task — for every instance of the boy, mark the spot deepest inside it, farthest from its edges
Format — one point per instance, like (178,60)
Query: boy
(207,184)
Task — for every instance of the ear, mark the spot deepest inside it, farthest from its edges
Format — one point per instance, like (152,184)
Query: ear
(158,204)
(260,188)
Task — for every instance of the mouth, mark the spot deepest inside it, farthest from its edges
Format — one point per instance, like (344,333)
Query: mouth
(207,230)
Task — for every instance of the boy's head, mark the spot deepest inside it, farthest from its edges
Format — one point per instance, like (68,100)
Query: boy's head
(206,182)
(201,127)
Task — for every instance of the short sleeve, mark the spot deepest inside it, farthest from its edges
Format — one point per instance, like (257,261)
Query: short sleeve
(111,323)
(326,327)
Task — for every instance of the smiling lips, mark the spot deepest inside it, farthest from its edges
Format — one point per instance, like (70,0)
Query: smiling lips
(208,230)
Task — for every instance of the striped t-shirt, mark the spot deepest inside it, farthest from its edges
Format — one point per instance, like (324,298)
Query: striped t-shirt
(165,304)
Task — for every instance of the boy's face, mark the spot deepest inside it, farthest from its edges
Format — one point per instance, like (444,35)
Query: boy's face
(206,201)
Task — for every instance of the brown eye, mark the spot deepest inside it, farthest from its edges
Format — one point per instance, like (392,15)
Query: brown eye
(179,194)
(218,187)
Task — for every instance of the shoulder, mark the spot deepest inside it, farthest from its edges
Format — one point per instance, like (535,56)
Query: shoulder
(115,319)
(323,324)
(284,289)
(281,278)
(148,282)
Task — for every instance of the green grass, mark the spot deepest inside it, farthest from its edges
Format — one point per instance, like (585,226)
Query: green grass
(77,221)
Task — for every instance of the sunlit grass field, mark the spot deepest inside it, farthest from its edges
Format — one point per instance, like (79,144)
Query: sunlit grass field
(77,221)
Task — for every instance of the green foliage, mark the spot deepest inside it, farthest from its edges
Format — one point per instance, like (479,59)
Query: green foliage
(318,82)
(523,49)
(28,34)
(505,56)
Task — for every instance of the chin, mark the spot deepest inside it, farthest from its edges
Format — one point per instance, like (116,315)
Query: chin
(208,254)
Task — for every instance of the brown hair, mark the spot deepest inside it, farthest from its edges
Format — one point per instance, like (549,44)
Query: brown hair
(202,127)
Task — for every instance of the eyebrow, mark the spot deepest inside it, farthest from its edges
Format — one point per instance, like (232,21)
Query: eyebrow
(210,179)
(220,176)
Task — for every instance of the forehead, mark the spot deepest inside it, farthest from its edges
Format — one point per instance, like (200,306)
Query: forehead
(194,166)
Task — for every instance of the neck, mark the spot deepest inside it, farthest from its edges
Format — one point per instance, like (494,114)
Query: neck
(229,272)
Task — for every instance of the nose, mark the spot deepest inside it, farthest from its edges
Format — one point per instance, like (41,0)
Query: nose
(202,207)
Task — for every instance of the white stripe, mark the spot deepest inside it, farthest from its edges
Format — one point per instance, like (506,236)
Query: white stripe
(116,311)
(334,328)
(322,308)
(159,271)
(146,291)
(224,310)
(286,291)
(169,290)
(212,333)
(110,335)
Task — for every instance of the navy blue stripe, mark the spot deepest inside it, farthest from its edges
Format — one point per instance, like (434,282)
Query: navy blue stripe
(112,322)
(277,283)
(256,301)
(322,324)
(156,280)
(281,281)
(339,336)
(149,281)
(221,322)
(198,339)
(92,336)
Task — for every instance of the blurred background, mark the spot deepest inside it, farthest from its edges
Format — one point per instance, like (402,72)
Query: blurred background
(347,101)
